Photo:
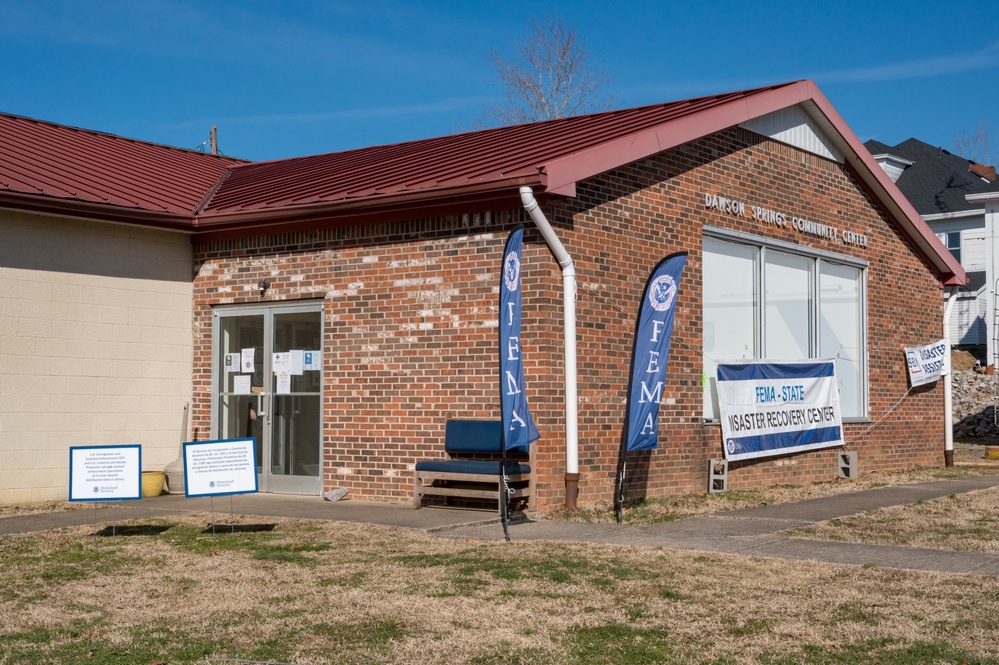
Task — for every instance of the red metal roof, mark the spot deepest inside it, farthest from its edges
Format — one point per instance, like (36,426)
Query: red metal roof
(62,170)
(500,157)
(55,168)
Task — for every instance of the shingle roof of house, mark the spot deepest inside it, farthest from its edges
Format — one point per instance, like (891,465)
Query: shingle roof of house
(62,170)
(976,280)
(937,181)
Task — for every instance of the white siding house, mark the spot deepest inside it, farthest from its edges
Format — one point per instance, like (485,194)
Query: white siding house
(946,190)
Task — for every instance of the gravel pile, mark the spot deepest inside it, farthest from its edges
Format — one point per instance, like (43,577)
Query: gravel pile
(974,406)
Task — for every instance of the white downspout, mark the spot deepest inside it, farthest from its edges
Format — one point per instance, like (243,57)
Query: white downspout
(569,326)
(948,384)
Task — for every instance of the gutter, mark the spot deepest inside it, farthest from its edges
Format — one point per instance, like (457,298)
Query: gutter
(948,385)
(953,215)
(95,211)
(429,197)
(569,326)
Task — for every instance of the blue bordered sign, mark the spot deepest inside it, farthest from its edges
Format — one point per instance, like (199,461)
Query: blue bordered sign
(926,363)
(778,407)
(105,473)
(220,467)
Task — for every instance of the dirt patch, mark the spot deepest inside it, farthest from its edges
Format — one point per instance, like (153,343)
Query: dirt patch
(962,361)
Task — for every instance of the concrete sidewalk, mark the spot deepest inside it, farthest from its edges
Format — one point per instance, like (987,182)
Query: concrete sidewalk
(254,505)
(757,531)
(751,532)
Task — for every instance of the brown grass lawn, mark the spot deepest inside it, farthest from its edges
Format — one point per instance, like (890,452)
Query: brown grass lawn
(318,592)
(166,591)
(961,522)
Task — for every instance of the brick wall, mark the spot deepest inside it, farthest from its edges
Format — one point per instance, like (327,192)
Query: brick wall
(410,323)
(409,332)
(632,217)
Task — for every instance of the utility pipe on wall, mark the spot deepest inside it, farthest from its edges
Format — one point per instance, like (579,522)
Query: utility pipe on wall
(948,385)
(569,325)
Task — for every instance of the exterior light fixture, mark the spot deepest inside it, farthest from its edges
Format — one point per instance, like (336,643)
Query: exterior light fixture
(263,285)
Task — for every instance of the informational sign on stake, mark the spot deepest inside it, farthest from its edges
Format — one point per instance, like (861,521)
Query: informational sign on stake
(221,467)
(218,468)
(105,473)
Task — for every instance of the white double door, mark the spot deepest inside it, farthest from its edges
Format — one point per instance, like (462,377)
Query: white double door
(267,382)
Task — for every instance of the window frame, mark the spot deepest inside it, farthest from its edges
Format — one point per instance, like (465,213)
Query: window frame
(817,256)
(956,250)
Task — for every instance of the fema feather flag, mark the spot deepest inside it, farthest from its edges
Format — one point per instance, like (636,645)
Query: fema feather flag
(650,355)
(518,427)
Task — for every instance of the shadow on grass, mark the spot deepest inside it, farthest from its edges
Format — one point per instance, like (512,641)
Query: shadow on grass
(239,528)
(132,530)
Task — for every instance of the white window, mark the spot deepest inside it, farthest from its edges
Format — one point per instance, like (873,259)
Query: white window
(841,335)
(787,290)
(730,305)
(772,300)
(952,241)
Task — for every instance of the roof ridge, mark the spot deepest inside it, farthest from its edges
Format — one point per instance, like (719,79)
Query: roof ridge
(583,117)
(209,194)
(119,137)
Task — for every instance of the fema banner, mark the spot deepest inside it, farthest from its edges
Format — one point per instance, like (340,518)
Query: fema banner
(926,363)
(650,354)
(518,427)
(778,407)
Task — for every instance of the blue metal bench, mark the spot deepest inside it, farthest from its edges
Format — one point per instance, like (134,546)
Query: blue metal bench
(473,468)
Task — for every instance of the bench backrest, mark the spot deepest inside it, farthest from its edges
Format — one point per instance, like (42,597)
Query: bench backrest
(475,436)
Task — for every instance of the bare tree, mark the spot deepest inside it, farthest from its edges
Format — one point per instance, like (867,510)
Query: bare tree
(550,77)
(978,146)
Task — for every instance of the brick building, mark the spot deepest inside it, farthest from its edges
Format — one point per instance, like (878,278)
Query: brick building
(374,275)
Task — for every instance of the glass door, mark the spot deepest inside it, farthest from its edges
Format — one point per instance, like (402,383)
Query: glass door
(268,386)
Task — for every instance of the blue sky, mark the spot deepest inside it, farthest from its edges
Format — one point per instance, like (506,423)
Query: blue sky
(283,78)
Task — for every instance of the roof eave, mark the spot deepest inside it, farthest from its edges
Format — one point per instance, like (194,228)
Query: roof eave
(495,194)
(984,197)
(894,158)
(948,269)
(95,211)
(565,172)
(960,214)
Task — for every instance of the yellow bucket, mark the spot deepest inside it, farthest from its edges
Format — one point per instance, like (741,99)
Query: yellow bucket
(152,483)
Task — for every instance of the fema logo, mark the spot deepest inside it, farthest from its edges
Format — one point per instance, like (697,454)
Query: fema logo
(511,271)
(661,292)
(731,446)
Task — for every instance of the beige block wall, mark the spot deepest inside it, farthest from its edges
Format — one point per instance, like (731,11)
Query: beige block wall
(95,346)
